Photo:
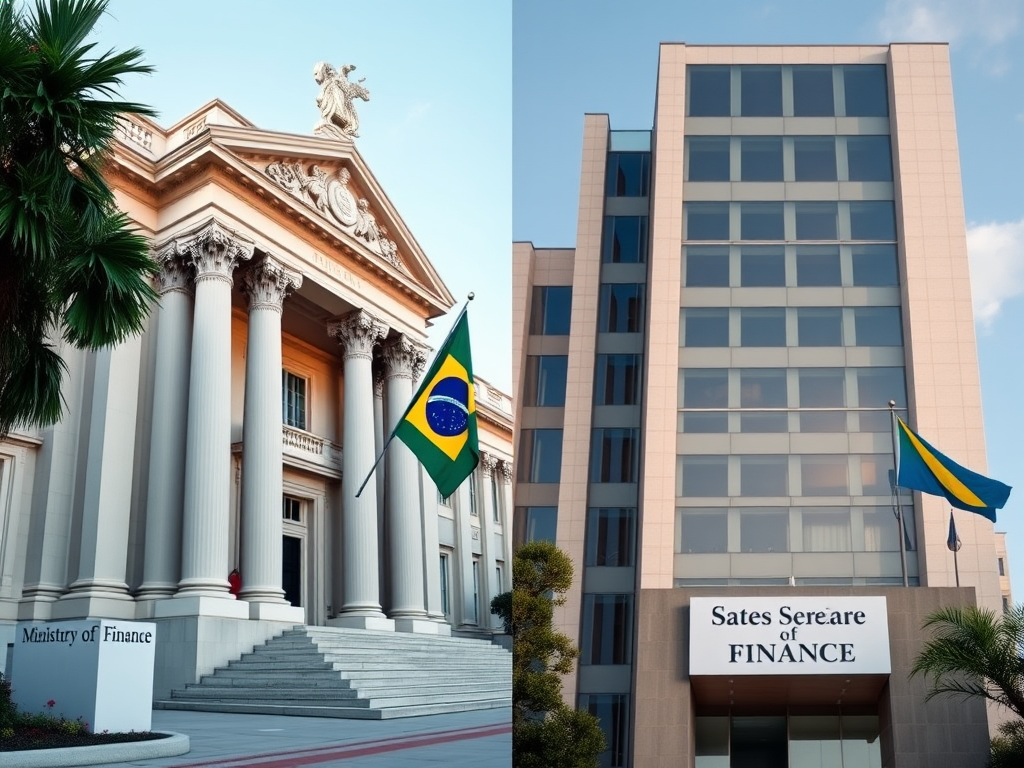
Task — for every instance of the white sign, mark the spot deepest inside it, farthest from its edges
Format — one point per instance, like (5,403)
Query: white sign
(789,636)
(99,670)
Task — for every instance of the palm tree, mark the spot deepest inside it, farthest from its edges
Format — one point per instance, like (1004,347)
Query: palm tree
(975,653)
(70,266)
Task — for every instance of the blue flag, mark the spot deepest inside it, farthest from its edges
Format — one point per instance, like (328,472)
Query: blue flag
(920,467)
(952,541)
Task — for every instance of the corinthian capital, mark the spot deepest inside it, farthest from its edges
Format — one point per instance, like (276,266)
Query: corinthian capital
(267,282)
(488,463)
(506,470)
(214,250)
(174,274)
(357,332)
(403,357)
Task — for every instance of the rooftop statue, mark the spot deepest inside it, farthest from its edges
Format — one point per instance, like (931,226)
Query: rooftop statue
(338,117)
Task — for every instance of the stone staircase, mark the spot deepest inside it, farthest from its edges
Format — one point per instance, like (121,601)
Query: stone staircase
(354,673)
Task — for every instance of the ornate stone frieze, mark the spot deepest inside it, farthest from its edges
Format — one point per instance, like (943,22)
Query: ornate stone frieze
(402,357)
(267,283)
(214,250)
(357,332)
(331,196)
(488,463)
(338,118)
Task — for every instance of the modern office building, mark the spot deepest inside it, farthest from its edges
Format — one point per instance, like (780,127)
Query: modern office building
(235,432)
(702,411)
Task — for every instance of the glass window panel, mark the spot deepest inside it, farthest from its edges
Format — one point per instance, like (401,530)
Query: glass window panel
(607,629)
(866,92)
(613,455)
(764,422)
(545,380)
(763,388)
(875,265)
(535,524)
(877,326)
(763,327)
(764,530)
(711,742)
(705,388)
(876,474)
(761,158)
(293,400)
(709,91)
(702,531)
(627,174)
(819,326)
(541,456)
(621,308)
(706,327)
(625,239)
(707,221)
(824,475)
(705,423)
(617,381)
(872,220)
(611,536)
(823,388)
(762,221)
(761,267)
(704,475)
(761,91)
(814,741)
(826,530)
(875,388)
(869,158)
(550,312)
(708,158)
(707,267)
(814,158)
(812,91)
(764,475)
(880,529)
(612,712)
(818,266)
(817,221)
(862,746)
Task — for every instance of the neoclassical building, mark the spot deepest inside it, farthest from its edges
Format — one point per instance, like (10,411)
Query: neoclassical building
(233,434)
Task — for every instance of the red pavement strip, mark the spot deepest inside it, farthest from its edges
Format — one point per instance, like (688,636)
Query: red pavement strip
(294,758)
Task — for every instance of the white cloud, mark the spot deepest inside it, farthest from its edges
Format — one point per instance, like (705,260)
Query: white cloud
(997,266)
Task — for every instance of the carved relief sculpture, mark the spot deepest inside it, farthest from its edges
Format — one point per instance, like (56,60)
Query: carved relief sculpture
(338,118)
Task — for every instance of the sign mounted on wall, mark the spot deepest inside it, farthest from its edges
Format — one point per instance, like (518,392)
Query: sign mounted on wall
(789,636)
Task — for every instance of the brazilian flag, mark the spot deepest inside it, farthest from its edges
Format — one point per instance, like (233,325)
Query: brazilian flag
(920,467)
(440,424)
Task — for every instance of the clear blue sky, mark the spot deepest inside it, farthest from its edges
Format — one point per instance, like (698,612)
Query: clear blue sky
(436,132)
(577,56)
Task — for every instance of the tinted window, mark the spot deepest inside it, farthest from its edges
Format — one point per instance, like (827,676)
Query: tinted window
(707,267)
(535,524)
(817,221)
(762,221)
(541,460)
(869,158)
(763,388)
(545,380)
(702,531)
(704,475)
(708,158)
(875,388)
(764,476)
(705,388)
(875,475)
(814,158)
(707,221)
(617,381)
(621,308)
(550,313)
(625,239)
(607,629)
(706,328)
(877,326)
(764,531)
(763,327)
(613,455)
(824,475)
(627,174)
(875,265)
(812,91)
(761,158)
(874,220)
(708,91)
(611,533)
(818,266)
(762,267)
(822,388)
(866,91)
(825,530)
(819,326)
(760,91)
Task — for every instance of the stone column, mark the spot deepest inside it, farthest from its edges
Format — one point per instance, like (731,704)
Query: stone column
(161,568)
(357,333)
(266,283)
(505,494)
(403,363)
(378,477)
(214,252)
(488,555)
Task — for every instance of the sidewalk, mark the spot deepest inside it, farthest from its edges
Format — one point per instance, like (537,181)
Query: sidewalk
(479,739)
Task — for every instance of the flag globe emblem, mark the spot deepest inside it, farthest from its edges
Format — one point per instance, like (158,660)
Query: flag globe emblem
(447,406)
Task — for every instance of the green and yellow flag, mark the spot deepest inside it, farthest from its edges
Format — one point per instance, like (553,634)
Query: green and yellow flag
(440,424)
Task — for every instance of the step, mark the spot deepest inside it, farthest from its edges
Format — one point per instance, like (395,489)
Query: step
(337,712)
(293,692)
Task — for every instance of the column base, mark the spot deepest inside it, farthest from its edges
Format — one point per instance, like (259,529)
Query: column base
(277,612)
(418,626)
(86,605)
(363,622)
(226,607)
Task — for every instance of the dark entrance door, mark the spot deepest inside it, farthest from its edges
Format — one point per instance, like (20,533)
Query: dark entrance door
(291,569)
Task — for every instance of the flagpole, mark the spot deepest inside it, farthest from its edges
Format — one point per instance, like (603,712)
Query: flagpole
(896,493)
(384,450)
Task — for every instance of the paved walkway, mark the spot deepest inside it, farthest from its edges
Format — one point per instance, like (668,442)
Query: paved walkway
(464,740)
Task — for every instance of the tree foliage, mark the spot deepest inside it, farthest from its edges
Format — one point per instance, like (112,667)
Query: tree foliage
(70,266)
(545,732)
